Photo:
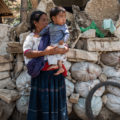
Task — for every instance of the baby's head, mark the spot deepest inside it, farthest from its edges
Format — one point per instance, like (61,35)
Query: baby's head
(58,15)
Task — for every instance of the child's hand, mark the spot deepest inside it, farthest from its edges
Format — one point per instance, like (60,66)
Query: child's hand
(61,42)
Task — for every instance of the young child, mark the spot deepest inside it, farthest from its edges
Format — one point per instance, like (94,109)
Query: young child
(59,34)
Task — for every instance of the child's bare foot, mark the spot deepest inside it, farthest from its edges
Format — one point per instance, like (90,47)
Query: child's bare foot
(61,70)
(52,67)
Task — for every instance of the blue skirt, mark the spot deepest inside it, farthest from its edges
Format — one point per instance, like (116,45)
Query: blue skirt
(48,97)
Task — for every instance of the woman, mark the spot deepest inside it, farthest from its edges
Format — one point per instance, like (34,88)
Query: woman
(48,94)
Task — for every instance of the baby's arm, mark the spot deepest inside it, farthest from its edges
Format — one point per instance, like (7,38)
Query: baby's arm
(66,33)
(44,31)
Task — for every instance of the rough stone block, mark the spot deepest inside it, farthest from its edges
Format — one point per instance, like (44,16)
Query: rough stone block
(14,47)
(5,67)
(79,55)
(8,95)
(74,98)
(6,58)
(103,44)
(99,10)
(4,75)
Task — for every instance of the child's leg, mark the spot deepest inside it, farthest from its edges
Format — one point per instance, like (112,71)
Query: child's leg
(52,67)
(52,61)
(60,70)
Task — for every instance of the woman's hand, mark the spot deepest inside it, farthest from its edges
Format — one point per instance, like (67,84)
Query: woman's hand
(61,50)
(50,50)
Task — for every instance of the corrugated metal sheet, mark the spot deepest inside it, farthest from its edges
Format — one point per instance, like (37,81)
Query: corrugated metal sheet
(4,10)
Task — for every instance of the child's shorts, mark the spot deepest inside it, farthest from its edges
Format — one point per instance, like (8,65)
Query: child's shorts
(53,59)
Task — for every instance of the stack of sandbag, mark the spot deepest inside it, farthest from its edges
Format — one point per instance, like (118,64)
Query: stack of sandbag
(23,86)
(81,79)
(112,71)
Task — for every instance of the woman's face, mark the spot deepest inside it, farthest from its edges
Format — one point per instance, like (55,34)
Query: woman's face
(42,23)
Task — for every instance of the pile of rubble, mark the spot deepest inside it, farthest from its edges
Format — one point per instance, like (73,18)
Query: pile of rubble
(90,60)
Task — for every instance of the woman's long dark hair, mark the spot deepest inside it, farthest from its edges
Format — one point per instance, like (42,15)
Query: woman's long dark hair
(35,16)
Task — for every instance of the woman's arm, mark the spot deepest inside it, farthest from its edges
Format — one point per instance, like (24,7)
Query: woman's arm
(35,54)
(48,51)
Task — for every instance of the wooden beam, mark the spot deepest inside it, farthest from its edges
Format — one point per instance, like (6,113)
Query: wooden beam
(0,19)
(23,10)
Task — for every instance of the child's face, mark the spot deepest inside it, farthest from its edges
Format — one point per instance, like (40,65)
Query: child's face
(60,19)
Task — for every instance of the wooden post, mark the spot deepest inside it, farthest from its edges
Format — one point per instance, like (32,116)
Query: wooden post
(0,19)
(23,10)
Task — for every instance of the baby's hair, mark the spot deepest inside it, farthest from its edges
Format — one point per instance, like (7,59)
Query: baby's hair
(55,11)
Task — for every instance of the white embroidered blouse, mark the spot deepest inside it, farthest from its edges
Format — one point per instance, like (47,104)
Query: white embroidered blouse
(30,43)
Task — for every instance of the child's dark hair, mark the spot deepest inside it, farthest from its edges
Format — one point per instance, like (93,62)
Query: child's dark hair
(55,11)
(35,16)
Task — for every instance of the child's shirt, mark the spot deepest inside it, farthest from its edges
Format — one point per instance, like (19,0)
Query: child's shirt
(57,32)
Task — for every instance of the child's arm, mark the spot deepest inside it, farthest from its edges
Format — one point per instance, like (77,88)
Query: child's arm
(66,33)
(44,31)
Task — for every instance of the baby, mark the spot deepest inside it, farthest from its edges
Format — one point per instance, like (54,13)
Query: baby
(59,34)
